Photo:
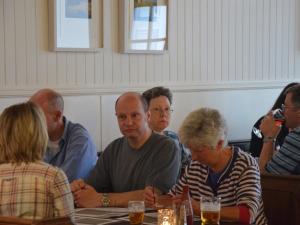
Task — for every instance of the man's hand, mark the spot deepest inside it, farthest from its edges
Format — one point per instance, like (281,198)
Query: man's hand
(268,126)
(77,185)
(149,196)
(87,197)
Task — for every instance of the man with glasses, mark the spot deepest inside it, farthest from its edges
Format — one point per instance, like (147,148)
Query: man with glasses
(287,159)
(159,100)
(138,159)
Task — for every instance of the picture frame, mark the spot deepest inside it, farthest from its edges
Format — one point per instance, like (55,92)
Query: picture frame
(143,26)
(75,25)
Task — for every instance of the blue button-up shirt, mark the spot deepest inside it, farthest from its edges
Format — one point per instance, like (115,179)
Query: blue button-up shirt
(77,153)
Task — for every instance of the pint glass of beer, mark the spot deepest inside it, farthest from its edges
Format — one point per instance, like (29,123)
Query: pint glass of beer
(210,210)
(136,211)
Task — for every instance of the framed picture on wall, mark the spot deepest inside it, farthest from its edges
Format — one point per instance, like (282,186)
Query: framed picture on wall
(143,26)
(75,25)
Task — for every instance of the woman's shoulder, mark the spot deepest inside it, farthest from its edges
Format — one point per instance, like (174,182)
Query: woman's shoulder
(244,158)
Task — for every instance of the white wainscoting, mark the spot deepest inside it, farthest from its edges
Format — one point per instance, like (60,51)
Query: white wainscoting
(241,109)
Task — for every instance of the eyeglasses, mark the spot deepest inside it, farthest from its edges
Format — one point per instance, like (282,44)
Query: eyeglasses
(161,111)
(284,107)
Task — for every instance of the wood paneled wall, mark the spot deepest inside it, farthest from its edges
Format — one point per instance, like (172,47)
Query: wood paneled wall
(210,41)
(221,53)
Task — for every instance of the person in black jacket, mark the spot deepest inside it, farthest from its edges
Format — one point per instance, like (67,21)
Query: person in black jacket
(256,142)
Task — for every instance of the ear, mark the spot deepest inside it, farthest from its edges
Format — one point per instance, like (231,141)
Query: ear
(148,114)
(58,115)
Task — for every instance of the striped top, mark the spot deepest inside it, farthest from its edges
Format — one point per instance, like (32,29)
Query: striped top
(238,184)
(287,159)
(34,191)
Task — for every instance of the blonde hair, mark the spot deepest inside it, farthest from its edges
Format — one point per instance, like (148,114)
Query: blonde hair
(23,134)
(204,126)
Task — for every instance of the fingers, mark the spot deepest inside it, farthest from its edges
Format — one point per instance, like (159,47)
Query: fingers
(149,196)
(77,185)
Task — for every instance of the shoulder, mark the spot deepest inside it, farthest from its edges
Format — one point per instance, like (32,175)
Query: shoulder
(75,129)
(160,138)
(244,160)
(114,146)
(48,171)
(171,134)
(292,140)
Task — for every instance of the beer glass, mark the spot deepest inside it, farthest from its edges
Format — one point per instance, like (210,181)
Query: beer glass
(210,210)
(136,211)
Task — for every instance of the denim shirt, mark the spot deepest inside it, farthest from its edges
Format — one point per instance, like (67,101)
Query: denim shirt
(77,155)
(185,152)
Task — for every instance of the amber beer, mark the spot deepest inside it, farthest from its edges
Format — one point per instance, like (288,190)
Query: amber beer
(210,217)
(210,207)
(136,211)
(136,218)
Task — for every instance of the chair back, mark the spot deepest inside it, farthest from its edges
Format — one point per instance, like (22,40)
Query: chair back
(281,198)
(11,220)
(55,221)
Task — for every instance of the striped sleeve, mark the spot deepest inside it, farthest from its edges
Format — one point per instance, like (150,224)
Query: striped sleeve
(287,159)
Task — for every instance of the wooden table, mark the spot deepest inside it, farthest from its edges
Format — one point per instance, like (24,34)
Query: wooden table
(119,216)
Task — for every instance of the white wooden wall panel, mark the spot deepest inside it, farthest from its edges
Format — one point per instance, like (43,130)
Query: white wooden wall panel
(209,41)
(10,45)
(212,45)
(225,40)
(20,26)
(42,43)
(188,39)
(31,40)
(203,40)
(196,42)
(2,49)
(172,42)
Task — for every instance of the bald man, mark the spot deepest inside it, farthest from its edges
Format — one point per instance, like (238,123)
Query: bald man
(70,146)
(139,159)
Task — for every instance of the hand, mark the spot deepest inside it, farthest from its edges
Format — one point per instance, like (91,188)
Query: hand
(87,197)
(77,185)
(268,126)
(149,197)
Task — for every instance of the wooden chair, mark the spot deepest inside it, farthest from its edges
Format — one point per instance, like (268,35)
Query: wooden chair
(10,220)
(281,198)
(55,221)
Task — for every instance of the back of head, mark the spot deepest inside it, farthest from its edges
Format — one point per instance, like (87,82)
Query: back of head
(295,91)
(23,134)
(156,92)
(53,99)
(204,126)
(281,97)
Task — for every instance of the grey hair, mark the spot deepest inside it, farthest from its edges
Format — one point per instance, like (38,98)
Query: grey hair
(204,126)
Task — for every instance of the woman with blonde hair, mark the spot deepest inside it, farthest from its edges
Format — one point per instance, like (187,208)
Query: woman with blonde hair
(29,188)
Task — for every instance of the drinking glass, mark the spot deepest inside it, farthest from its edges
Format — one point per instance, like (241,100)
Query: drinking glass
(210,210)
(279,120)
(136,211)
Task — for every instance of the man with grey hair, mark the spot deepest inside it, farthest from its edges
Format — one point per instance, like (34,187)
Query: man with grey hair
(218,170)
(70,146)
(287,159)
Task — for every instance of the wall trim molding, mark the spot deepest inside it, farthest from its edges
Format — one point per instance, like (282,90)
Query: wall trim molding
(175,87)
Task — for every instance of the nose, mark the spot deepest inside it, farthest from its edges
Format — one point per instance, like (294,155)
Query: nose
(128,120)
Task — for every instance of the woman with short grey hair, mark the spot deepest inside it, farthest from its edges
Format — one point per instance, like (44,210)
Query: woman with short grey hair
(218,170)
(203,126)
